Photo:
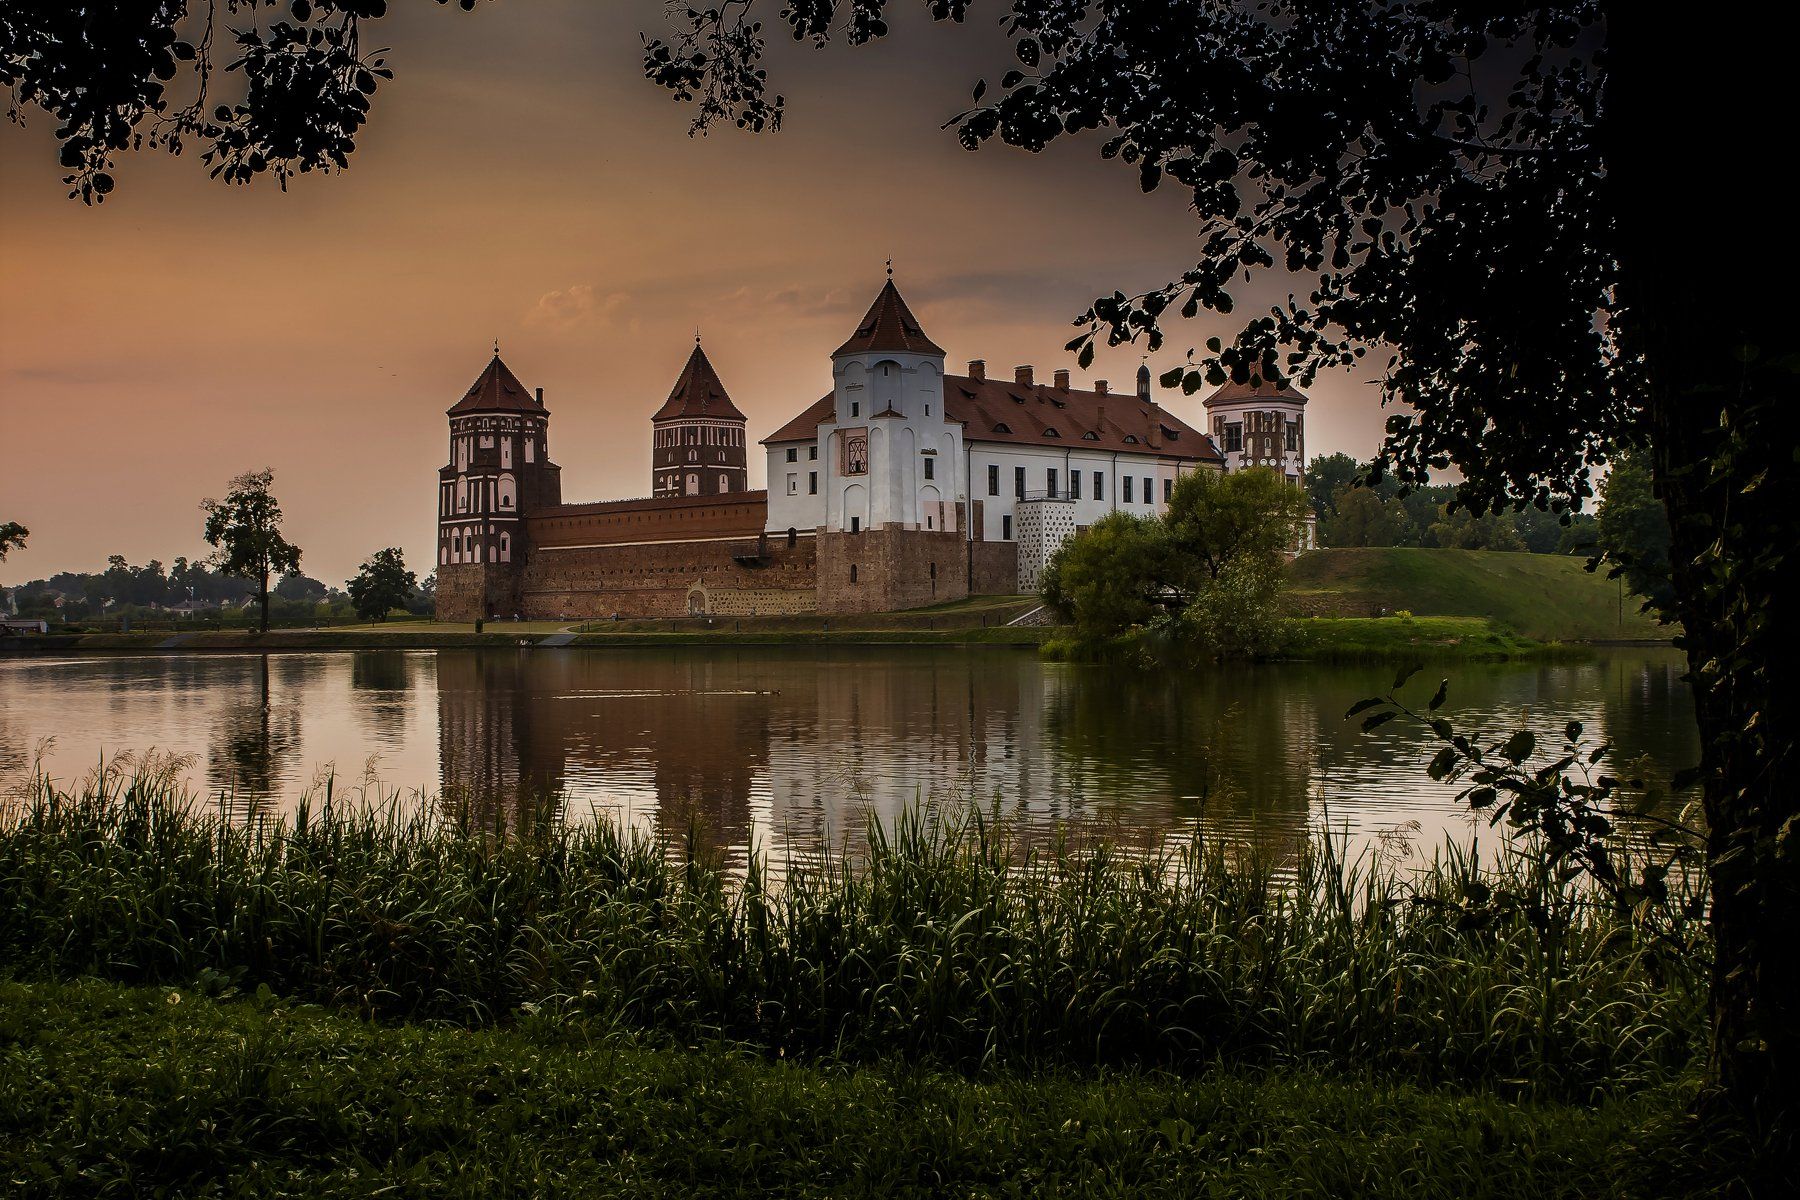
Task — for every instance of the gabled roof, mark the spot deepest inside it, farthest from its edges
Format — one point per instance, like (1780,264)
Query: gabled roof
(1000,411)
(889,325)
(1255,388)
(497,390)
(698,393)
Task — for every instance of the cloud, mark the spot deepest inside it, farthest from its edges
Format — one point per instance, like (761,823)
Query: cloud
(578,304)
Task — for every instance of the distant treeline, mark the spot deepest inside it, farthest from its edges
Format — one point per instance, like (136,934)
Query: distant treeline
(1349,515)
(124,590)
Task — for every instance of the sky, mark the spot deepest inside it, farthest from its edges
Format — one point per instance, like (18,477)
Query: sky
(519,180)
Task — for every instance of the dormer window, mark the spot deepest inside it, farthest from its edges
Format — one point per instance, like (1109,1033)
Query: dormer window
(1131,439)
(1090,436)
(1049,432)
(1003,427)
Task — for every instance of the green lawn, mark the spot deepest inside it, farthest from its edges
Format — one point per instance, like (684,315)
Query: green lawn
(1542,596)
(107,1090)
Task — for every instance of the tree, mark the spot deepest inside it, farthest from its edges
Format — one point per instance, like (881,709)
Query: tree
(1236,614)
(12,537)
(423,601)
(1214,518)
(1479,195)
(1634,531)
(1324,476)
(301,588)
(1457,528)
(382,585)
(1108,578)
(1363,517)
(109,74)
(246,529)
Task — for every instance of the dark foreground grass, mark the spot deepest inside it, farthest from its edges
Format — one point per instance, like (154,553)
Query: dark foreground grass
(114,1091)
(947,943)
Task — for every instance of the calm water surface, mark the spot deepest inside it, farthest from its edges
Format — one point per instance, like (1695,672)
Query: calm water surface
(788,749)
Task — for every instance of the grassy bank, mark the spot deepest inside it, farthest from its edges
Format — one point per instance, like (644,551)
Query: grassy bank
(107,1090)
(1414,639)
(1543,597)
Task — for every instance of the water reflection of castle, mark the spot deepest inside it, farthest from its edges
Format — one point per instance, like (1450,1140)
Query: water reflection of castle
(793,750)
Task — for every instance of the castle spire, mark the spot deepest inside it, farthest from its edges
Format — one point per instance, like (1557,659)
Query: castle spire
(698,392)
(889,325)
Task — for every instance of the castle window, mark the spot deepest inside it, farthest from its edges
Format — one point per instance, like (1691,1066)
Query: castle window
(930,466)
(812,483)
(993,480)
(1168,489)
(1049,432)
(1090,436)
(812,454)
(852,572)
(793,485)
(793,537)
(1149,496)
(793,454)
(530,448)
(855,524)
(1006,528)
(1074,485)
(1050,482)
(855,408)
(1234,437)
(1131,439)
(1127,494)
(1293,435)
(724,483)
(1003,427)
(1018,483)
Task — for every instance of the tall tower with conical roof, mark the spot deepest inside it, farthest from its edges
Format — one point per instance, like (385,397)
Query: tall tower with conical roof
(698,436)
(499,471)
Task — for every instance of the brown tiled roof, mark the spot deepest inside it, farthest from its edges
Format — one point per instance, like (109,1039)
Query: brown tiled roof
(497,390)
(994,410)
(890,325)
(651,504)
(698,393)
(1263,389)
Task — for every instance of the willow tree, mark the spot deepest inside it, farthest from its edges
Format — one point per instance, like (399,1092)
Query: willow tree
(1541,224)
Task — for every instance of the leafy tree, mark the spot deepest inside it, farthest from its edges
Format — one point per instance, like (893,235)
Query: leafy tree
(1363,517)
(1479,195)
(1457,528)
(1236,613)
(382,585)
(1108,578)
(301,588)
(1545,533)
(1634,531)
(246,528)
(12,537)
(423,601)
(1215,518)
(1324,476)
(109,75)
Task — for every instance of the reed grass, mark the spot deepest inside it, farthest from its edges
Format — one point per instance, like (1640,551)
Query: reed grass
(946,940)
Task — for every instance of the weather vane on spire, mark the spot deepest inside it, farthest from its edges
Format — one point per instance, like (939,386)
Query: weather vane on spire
(890,267)
(496,347)
(696,335)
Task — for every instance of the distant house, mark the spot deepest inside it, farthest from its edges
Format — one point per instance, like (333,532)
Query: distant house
(13,626)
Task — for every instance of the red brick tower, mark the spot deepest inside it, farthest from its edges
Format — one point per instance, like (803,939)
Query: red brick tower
(499,471)
(698,436)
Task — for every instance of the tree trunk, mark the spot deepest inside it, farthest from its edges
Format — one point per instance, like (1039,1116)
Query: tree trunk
(1685,143)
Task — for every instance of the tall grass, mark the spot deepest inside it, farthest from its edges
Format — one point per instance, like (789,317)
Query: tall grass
(945,940)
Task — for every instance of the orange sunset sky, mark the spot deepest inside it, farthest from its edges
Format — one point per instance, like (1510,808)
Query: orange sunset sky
(519,179)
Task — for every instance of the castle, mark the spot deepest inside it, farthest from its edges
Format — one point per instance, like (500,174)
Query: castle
(903,486)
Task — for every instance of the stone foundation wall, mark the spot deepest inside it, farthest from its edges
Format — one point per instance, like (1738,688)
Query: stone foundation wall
(654,580)
(476,591)
(995,567)
(887,569)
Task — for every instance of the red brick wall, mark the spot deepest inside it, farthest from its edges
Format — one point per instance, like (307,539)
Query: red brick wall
(652,580)
(893,569)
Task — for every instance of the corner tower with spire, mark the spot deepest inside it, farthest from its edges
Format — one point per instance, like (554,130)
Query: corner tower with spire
(499,472)
(697,438)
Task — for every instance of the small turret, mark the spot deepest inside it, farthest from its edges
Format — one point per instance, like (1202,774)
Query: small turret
(1143,380)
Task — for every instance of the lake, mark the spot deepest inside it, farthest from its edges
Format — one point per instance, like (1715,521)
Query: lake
(789,748)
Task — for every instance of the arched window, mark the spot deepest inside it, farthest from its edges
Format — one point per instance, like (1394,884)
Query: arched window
(693,485)
(724,482)
(793,537)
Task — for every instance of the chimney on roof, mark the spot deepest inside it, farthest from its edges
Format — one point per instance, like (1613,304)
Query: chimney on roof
(1062,379)
(1022,375)
(540,396)
(1100,387)
(978,368)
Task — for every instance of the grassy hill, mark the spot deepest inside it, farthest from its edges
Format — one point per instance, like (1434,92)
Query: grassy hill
(1544,596)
